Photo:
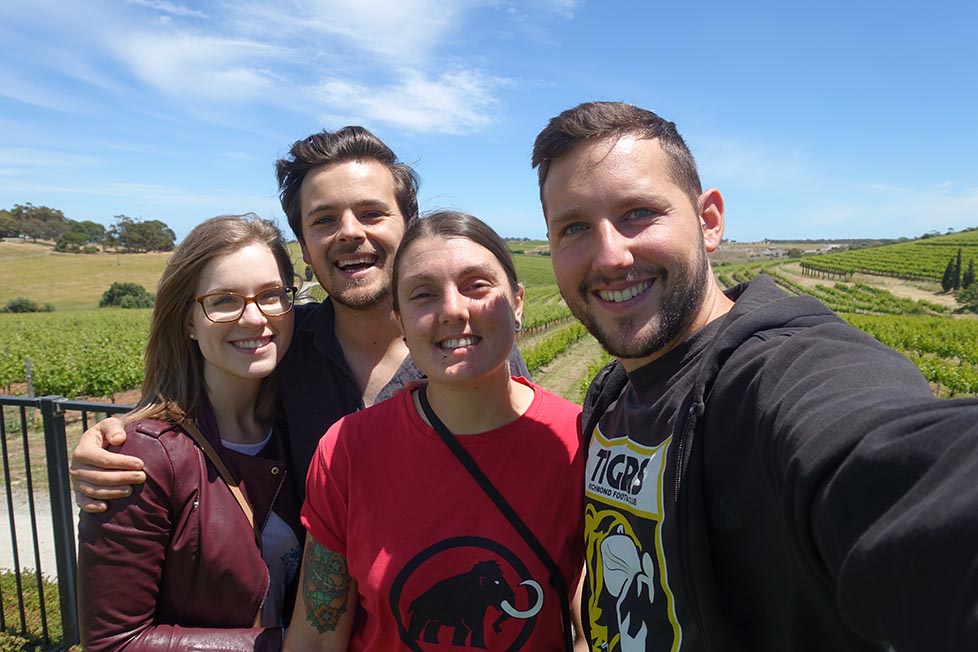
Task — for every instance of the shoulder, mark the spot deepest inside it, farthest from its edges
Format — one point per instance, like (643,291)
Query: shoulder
(370,426)
(555,413)
(161,445)
(555,403)
(308,316)
(152,428)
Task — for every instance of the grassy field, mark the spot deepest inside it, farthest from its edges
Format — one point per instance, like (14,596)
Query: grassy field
(71,281)
(77,281)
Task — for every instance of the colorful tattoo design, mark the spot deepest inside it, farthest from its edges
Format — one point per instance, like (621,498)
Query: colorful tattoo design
(325,587)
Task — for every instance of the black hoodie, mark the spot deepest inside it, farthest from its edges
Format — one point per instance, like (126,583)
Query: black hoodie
(816,495)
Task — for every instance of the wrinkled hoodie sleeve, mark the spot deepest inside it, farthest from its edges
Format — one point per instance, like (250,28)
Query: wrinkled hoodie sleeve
(877,479)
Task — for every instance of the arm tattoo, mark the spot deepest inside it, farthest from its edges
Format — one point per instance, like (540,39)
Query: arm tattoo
(325,588)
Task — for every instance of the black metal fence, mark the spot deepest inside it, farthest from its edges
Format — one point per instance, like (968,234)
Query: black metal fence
(23,422)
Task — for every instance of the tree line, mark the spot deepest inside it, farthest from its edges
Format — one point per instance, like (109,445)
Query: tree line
(129,235)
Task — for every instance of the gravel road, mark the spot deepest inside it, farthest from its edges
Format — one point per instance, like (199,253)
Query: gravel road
(22,524)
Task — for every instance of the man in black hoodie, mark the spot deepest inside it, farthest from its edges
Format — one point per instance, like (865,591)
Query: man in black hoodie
(760,476)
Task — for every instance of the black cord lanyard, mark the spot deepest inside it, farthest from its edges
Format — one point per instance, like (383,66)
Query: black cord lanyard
(556,578)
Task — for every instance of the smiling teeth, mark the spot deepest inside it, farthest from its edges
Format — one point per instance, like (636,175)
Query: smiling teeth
(458,342)
(252,344)
(618,296)
(356,261)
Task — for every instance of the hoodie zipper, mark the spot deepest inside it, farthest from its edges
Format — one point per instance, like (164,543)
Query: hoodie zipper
(681,450)
(687,580)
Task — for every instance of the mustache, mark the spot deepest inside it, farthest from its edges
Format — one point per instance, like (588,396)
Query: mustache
(346,250)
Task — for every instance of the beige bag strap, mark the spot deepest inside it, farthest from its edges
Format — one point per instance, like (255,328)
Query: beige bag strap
(222,469)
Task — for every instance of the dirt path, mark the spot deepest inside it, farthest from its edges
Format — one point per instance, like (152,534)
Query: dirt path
(903,288)
(564,373)
(22,526)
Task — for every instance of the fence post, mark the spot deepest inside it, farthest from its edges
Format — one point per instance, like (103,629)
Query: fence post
(62,518)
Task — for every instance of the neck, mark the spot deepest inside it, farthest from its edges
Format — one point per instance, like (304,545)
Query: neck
(473,409)
(366,329)
(233,401)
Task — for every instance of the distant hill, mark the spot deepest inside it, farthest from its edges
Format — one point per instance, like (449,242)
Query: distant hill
(925,258)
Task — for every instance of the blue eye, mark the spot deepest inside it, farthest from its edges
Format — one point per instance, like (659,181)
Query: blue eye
(638,213)
(573,228)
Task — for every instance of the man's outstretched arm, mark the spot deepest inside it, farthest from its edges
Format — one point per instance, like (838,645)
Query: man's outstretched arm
(97,473)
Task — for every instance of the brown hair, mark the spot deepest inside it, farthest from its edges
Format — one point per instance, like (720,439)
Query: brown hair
(173,379)
(331,147)
(599,120)
(455,224)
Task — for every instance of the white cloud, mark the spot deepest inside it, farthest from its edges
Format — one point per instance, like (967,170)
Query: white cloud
(169,8)
(195,67)
(15,87)
(371,60)
(450,102)
(563,8)
(393,30)
(23,158)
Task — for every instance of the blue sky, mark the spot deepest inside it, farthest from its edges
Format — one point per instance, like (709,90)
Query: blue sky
(816,120)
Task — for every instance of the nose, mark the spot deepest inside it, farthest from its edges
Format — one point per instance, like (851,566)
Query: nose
(251,315)
(454,306)
(611,248)
(350,228)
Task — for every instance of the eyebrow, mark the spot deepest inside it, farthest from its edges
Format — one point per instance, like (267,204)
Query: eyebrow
(483,269)
(327,206)
(652,200)
(261,288)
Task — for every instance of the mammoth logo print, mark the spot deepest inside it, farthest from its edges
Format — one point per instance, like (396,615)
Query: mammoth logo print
(468,592)
(629,602)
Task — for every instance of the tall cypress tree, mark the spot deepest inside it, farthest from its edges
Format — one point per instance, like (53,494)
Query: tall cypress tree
(957,272)
(947,282)
(969,276)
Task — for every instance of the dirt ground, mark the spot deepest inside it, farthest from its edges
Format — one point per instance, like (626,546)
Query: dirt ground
(564,373)
(906,289)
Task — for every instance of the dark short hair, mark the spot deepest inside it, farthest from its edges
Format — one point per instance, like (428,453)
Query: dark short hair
(454,224)
(599,120)
(341,146)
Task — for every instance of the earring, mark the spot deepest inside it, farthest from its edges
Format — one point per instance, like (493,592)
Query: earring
(193,337)
(519,326)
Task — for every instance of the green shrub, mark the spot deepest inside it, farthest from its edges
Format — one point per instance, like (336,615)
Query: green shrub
(23,304)
(126,295)
(32,639)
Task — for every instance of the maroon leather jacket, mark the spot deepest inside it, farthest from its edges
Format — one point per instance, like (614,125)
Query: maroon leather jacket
(175,566)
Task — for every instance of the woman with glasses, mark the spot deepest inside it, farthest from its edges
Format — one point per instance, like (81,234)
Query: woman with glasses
(205,554)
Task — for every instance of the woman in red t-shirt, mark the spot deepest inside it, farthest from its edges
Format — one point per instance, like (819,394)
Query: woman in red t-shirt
(408,551)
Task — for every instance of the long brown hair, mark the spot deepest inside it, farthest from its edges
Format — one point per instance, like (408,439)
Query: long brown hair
(173,381)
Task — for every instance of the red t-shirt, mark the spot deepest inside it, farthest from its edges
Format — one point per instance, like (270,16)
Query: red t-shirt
(433,557)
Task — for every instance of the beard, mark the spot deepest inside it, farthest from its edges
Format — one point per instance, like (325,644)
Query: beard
(362,293)
(359,296)
(639,336)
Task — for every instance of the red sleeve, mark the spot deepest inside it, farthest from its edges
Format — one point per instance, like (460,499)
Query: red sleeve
(120,559)
(324,513)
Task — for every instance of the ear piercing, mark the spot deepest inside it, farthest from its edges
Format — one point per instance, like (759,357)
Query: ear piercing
(519,326)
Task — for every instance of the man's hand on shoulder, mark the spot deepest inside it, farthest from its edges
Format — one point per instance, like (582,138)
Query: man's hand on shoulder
(98,474)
